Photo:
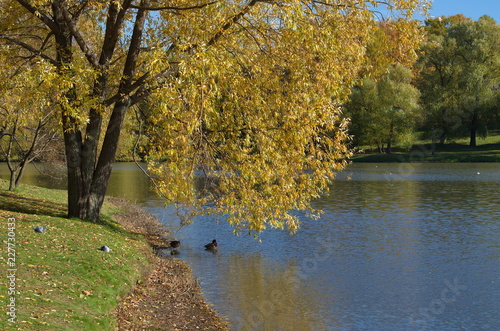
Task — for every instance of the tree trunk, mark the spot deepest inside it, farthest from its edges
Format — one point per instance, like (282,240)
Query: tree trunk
(17,171)
(473,129)
(12,182)
(442,138)
(88,182)
(389,141)
(16,175)
(473,142)
(73,146)
(91,174)
(104,166)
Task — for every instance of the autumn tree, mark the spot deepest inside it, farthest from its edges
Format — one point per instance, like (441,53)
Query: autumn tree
(460,75)
(383,107)
(244,92)
(387,47)
(27,126)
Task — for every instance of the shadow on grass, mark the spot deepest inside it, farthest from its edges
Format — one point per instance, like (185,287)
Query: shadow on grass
(18,203)
(110,223)
(14,202)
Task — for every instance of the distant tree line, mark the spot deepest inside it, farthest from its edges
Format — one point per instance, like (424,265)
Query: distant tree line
(452,90)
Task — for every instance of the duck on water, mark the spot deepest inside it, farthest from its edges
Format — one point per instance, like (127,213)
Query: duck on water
(211,246)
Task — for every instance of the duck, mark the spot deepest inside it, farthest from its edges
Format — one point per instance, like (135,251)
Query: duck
(211,246)
(175,243)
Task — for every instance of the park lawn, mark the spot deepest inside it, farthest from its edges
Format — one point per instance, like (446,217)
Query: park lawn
(487,150)
(63,281)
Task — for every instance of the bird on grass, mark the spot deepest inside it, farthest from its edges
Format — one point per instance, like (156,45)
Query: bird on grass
(40,229)
(211,246)
(105,249)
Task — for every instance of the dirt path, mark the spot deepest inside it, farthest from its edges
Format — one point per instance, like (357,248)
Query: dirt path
(169,297)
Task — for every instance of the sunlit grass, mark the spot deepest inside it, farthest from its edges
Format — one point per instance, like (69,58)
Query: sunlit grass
(487,150)
(63,280)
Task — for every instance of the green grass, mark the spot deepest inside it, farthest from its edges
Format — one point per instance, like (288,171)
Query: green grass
(487,150)
(63,280)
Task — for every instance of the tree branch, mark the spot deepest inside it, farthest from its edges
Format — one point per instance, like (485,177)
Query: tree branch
(174,8)
(135,45)
(114,22)
(29,48)
(79,38)
(42,17)
(135,85)
(233,20)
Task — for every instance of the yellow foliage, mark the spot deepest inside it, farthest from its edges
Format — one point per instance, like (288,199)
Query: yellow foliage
(257,114)
(245,94)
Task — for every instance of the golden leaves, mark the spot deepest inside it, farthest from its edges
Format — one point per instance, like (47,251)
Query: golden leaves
(253,124)
(244,94)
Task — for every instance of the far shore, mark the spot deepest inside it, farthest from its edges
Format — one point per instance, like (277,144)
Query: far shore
(488,151)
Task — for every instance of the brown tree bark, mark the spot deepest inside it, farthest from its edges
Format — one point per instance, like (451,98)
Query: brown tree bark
(88,168)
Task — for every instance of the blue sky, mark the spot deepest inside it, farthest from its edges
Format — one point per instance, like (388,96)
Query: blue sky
(469,8)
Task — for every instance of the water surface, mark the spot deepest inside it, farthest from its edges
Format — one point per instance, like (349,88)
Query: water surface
(399,247)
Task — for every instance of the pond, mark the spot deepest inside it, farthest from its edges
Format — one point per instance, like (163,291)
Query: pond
(404,246)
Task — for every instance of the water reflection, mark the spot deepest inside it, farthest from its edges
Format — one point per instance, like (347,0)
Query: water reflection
(265,299)
(400,240)
(40,175)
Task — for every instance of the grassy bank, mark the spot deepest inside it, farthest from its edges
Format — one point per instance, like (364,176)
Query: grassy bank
(487,150)
(63,281)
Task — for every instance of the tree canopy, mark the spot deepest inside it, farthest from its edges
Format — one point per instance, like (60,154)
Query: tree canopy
(28,125)
(246,94)
(460,75)
(386,110)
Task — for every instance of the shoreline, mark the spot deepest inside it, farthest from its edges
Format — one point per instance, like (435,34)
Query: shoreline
(488,152)
(61,278)
(168,296)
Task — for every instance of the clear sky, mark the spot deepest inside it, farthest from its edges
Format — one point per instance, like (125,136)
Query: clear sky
(469,8)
